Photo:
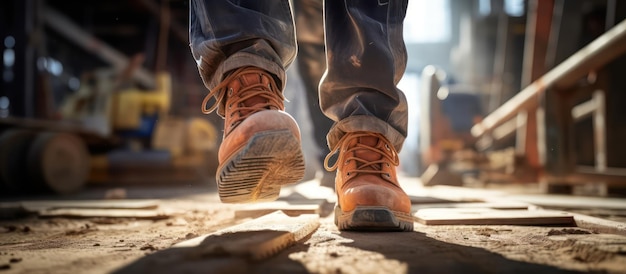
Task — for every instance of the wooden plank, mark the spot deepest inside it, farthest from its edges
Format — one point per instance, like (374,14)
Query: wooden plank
(229,250)
(35,206)
(491,205)
(600,225)
(483,216)
(290,209)
(569,201)
(538,29)
(106,213)
(253,240)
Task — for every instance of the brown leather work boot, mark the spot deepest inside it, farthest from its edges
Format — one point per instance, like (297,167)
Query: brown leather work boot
(261,148)
(368,194)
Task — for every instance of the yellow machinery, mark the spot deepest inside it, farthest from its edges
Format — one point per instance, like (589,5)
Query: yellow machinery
(154,143)
(130,105)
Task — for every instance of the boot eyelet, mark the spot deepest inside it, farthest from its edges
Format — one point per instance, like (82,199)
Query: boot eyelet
(387,147)
(347,162)
(387,164)
(348,174)
(230,92)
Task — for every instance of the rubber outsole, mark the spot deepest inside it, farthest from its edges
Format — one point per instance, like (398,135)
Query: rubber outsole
(256,172)
(373,218)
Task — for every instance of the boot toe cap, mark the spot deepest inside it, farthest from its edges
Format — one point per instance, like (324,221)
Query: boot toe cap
(374,194)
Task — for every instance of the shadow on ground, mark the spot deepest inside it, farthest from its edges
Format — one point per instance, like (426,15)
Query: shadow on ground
(330,251)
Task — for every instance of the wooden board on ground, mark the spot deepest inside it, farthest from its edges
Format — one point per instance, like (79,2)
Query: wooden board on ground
(485,216)
(260,209)
(254,240)
(35,206)
(492,205)
(600,225)
(569,201)
(229,250)
(107,213)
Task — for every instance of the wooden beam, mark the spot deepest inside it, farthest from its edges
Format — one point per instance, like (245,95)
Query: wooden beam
(535,51)
(537,38)
(73,32)
(590,58)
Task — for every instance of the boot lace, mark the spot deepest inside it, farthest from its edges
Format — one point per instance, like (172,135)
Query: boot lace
(347,154)
(274,98)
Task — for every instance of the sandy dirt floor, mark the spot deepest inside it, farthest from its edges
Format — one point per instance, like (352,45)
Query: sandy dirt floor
(126,245)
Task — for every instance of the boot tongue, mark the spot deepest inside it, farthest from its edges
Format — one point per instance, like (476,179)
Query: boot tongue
(247,80)
(367,154)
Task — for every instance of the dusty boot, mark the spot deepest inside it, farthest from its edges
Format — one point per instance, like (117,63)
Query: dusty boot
(368,194)
(261,148)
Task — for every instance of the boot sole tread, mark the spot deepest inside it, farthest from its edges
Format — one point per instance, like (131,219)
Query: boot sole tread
(256,172)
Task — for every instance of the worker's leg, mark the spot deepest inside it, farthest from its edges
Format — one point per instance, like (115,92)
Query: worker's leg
(311,63)
(242,51)
(366,58)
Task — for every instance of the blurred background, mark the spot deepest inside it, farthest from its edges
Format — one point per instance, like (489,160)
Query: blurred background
(524,92)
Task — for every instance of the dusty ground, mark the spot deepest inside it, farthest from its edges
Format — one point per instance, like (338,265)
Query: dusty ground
(105,245)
